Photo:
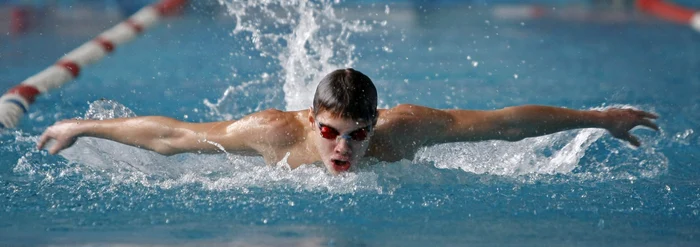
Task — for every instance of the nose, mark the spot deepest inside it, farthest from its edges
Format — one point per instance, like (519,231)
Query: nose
(342,147)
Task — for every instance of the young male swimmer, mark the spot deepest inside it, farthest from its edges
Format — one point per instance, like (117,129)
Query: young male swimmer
(343,126)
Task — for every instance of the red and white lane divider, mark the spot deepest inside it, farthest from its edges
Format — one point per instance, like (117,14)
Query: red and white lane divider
(519,12)
(671,12)
(16,101)
(659,8)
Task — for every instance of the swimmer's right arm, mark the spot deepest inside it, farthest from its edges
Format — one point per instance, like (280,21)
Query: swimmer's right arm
(163,135)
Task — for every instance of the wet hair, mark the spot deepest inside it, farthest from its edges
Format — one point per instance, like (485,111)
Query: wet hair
(347,93)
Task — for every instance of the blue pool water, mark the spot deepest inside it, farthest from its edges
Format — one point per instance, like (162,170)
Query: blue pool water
(577,188)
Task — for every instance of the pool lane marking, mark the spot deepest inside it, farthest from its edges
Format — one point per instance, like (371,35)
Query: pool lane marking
(71,66)
(166,8)
(19,103)
(27,92)
(16,101)
(133,25)
(671,12)
(106,45)
(50,78)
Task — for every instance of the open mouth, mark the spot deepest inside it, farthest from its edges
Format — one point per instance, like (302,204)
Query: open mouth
(340,165)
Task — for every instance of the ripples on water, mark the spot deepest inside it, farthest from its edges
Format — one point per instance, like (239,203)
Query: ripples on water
(568,184)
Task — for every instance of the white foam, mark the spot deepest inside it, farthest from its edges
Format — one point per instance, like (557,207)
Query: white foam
(308,41)
(123,164)
(552,154)
(559,153)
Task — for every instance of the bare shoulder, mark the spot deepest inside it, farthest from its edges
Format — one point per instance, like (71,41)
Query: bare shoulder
(271,116)
(271,126)
(402,130)
(408,115)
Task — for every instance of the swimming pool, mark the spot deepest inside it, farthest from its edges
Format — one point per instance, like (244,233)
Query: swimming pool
(578,188)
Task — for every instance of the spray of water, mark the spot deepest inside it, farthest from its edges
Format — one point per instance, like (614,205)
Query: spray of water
(557,153)
(119,164)
(560,153)
(305,38)
(572,152)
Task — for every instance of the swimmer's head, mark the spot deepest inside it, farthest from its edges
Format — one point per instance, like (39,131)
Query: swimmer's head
(346,93)
(343,116)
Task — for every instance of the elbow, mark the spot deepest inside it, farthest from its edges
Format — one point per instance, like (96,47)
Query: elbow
(169,152)
(171,142)
(170,146)
(512,135)
(165,150)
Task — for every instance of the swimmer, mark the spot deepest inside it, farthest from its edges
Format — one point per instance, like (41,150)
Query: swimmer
(343,126)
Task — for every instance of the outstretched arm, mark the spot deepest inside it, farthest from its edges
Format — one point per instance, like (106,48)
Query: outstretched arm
(519,122)
(516,123)
(160,134)
(255,134)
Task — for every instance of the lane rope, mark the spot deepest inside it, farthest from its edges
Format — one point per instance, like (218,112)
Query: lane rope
(15,103)
(659,8)
(671,12)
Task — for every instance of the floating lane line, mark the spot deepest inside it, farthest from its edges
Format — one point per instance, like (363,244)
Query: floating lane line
(671,12)
(16,101)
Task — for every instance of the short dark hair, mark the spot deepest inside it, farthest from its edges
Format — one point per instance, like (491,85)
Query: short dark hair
(347,93)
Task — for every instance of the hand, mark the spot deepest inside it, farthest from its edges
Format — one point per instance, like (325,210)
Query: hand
(620,121)
(63,132)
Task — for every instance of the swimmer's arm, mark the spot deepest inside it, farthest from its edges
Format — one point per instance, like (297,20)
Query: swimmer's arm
(163,135)
(519,122)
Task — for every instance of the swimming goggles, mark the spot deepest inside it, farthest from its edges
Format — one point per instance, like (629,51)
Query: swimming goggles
(331,134)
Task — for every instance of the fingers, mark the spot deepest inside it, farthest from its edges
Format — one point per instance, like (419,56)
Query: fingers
(646,114)
(55,148)
(42,140)
(649,123)
(631,139)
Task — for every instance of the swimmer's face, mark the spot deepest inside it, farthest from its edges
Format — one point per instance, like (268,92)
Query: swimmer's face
(340,142)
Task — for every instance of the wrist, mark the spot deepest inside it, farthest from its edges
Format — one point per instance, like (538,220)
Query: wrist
(79,127)
(600,119)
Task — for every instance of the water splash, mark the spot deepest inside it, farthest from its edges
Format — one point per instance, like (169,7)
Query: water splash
(306,39)
(581,155)
(552,154)
(107,109)
(586,154)
(236,101)
(117,163)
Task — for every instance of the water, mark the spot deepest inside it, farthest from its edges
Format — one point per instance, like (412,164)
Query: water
(577,188)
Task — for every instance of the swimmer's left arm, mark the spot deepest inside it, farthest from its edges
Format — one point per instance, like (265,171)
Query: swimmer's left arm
(519,122)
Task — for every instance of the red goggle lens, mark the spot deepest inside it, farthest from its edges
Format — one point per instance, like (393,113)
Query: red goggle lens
(359,135)
(331,133)
(328,132)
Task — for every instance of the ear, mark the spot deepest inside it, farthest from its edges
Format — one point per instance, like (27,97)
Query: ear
(312,120)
